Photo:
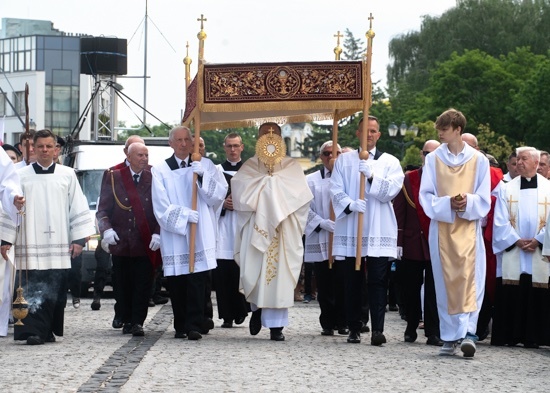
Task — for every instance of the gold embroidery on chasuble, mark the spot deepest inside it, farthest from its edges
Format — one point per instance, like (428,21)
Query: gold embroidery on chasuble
(457,245)
(272,258)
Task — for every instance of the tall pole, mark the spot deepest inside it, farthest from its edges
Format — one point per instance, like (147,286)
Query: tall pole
(364,154)
(145,68)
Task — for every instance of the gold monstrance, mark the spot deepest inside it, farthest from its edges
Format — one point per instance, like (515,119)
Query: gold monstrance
(271,150)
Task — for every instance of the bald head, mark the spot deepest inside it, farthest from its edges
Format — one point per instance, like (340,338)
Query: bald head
(429,146)
(470,140)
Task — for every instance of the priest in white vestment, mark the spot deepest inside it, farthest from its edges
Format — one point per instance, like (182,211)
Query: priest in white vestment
(172,197)
(272,213)
(12,199)
(455,192)
(519,232)
(383,181)
(232,306)
(56,225)
(320,226)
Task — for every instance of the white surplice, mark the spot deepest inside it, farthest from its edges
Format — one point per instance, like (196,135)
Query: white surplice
(455,327)
(272,213)
(316,244)
(379,223)
(526,220)
(56,214)
(172,194)
(227,226)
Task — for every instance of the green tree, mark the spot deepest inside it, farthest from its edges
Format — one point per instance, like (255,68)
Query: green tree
(354,48)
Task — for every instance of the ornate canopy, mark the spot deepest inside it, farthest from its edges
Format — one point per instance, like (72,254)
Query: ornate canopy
(239,95)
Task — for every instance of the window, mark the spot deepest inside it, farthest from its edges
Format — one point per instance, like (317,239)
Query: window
(19,102)
(2,105)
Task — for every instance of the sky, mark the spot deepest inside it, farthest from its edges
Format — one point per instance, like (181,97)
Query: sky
(238,31)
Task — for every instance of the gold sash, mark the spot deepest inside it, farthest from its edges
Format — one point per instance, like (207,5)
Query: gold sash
(457,241)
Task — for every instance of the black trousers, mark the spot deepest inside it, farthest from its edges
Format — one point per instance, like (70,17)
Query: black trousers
(187,294)
(231,303)
(412,274)
(46,294)
(75,276)
(377,289)
(330,294)
(136,278)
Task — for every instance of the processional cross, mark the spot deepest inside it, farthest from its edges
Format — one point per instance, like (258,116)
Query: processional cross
(202,19)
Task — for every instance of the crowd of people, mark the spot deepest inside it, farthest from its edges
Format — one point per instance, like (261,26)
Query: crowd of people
(466,246)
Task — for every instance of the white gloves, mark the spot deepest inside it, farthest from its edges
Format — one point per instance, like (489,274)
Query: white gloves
(197,168)
(359,206)
(365,167)
(155,242)
(110,237)
(193,216)
(327,225)
(399,252)
(105,246)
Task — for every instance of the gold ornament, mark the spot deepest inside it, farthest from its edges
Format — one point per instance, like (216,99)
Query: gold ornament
(20,307)
(271,150)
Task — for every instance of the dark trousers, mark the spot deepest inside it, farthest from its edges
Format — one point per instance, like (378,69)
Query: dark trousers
(46,294)
(135,286)
(231,303)
(208,307)
(75,276)
(308,279)
(187,294)
(412,275)
(330,294)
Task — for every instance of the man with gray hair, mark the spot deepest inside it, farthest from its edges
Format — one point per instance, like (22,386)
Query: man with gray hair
(543,164)
(330,281)
(521,299)
(172,204)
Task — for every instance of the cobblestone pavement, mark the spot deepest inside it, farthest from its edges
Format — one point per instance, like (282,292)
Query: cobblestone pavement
(93,357)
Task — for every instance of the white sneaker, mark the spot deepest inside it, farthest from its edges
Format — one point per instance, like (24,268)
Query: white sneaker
(468,348)
(449,348)
(76,302)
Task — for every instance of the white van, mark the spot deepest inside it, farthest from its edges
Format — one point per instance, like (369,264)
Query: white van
(90,159)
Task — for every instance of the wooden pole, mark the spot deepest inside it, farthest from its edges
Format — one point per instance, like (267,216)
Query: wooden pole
(27,125)
(332,216)
(364,154)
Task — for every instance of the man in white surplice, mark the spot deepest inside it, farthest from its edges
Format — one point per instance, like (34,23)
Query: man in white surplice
(519,230)
(383,180)
(455,192)
(56,225)
(272,214)
(10,193)
(172,196)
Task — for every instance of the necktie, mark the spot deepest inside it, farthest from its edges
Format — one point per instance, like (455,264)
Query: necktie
(182,164)
(136,179)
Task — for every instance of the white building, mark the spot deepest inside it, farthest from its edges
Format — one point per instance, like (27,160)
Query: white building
(33,52)
(294,134)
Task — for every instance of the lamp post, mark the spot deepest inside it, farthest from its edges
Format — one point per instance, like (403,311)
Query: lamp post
(392,130)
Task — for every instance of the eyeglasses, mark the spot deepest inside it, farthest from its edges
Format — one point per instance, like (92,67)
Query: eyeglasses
(328,153)
(232,146)
(425,153)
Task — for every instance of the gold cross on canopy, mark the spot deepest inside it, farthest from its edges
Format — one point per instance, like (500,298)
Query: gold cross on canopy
(542,222)
(338,36)
(202,19)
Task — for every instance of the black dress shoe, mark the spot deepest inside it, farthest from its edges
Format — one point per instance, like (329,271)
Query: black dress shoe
(255,324)
(410,337)
(50,338)
(240,320)
(180,335)
(151,303)
(327,332)
(393,308)
(276,334)
(127,328)
(96,303)
(35,340)
(343,331)
(158,299)
(206,326)
(532,345)
(227,324)
(194,335)
(435,341)
(377,339)
(354,337)
(365,328)
(137,330)
(117,323)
